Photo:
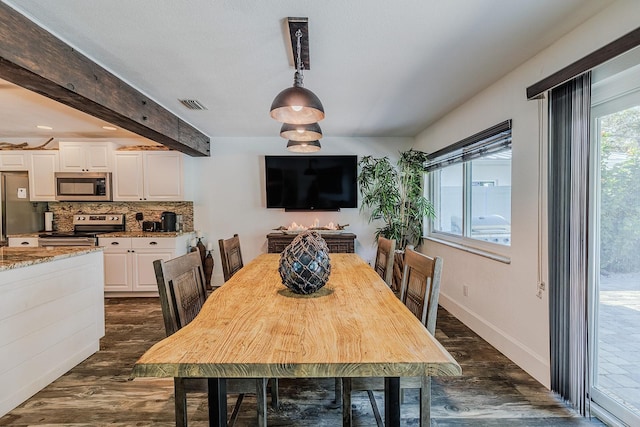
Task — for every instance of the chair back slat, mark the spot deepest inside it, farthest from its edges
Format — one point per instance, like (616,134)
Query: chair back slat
(181,288)
(421,286)
(231,256)
(384,260)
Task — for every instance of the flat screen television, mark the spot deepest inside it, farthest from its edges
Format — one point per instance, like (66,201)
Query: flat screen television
(311,182)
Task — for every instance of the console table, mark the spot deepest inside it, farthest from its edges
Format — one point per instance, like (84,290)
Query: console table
(343,242)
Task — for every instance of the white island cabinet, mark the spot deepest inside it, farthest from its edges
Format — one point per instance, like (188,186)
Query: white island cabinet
(51,316)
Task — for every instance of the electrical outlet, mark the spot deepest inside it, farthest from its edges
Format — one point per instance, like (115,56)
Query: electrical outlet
(465,290)
(139,216)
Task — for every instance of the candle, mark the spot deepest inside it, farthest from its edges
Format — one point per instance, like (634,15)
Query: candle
(198,234)
(210,246)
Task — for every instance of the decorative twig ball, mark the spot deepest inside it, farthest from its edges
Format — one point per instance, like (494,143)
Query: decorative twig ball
(305,264)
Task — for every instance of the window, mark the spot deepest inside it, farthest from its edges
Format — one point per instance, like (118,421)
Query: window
(470,187)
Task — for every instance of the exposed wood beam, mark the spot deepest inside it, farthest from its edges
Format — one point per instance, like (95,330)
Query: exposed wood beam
(35,59)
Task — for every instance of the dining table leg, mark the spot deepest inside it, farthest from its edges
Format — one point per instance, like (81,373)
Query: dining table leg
(261,401)
(217,402)
(346,401)
(392,401)
(425,402)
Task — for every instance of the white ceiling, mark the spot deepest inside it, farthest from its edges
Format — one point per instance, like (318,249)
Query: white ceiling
(380,67)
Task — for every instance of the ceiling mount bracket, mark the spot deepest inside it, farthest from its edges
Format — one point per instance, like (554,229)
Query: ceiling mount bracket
(301,24)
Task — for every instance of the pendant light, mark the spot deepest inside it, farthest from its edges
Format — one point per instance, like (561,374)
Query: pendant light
(303,146)
(297,105)
(309,132)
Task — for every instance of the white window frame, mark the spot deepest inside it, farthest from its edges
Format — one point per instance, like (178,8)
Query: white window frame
(465,242)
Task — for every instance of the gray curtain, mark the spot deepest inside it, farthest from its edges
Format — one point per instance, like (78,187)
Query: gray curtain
(569,120)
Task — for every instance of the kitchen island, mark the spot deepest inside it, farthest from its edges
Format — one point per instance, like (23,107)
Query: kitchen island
(51,316)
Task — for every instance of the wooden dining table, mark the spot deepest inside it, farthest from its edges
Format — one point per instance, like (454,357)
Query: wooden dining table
(255,327)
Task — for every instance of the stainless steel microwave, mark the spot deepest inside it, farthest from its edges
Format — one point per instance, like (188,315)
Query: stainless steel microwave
(83,186)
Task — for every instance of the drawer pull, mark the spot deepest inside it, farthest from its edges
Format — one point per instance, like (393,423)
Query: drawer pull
(24,243)
(153,243)
(115,243)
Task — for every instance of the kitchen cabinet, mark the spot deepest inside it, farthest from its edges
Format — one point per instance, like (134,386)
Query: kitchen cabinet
(42,184)
(85,156)
(128,262)
(23,242)
(148,176)
(14,160)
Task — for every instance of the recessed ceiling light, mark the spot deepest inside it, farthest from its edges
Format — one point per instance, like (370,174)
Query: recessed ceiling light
(44,127)
(109,128)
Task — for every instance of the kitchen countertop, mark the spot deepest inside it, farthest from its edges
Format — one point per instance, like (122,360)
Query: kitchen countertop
(120,234)
(23,257)
(145,234)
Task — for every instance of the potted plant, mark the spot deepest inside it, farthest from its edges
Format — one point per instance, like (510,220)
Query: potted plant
(395,195)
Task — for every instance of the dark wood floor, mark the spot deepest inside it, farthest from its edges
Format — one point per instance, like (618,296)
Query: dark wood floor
(492,391)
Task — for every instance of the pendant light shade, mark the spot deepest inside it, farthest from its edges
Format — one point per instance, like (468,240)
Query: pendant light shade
(309,132)
(297,105)
(303,146)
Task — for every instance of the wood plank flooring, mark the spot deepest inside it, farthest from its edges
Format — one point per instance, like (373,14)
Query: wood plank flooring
(492,391)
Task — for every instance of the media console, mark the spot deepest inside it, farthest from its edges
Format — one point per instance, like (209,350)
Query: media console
(337,243)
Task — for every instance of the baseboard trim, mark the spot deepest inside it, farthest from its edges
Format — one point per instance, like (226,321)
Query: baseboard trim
(535,365)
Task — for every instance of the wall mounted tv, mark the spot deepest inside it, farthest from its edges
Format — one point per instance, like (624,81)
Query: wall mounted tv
(311,182)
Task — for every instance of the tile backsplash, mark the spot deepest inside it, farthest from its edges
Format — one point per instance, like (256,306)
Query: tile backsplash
(63,212)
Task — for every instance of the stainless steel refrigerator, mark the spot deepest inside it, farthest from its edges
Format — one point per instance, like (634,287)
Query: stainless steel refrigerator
(19,215)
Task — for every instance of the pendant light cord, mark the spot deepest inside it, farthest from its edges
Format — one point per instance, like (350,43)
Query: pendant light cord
(299,74)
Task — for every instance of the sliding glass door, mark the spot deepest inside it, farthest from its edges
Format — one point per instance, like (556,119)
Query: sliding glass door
(615,246)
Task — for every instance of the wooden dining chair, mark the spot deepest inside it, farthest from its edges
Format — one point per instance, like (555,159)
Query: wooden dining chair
(231,256)
(384,260)
(421,286)
(183,292)
(420,292)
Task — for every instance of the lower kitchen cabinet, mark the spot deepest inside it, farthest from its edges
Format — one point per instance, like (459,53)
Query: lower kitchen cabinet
(128,262)
(23,242)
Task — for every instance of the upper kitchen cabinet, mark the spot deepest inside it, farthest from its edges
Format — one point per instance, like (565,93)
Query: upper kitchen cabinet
(42,184)
(14,160)
(85,156)
(148,176)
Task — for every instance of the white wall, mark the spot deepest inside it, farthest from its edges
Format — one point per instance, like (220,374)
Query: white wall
(501,304)
(230,194)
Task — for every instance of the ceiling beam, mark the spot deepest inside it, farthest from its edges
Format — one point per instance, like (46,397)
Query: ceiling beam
(33,58)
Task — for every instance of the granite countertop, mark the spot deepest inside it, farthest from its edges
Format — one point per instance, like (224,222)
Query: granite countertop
(121,234)
(145,234)
(23,257)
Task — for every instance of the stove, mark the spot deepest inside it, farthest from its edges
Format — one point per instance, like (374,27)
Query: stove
(86,228)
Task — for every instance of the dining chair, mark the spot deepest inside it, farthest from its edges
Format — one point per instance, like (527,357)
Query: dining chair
(182,291)
(419,292)
(384,260)
(231,256)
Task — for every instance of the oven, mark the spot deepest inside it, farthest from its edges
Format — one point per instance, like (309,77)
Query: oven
(86,228)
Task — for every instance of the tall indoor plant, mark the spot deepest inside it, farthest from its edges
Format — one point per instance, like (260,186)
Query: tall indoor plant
(395,195)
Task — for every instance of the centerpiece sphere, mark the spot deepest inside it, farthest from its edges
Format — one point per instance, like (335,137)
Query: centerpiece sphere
(305,264)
